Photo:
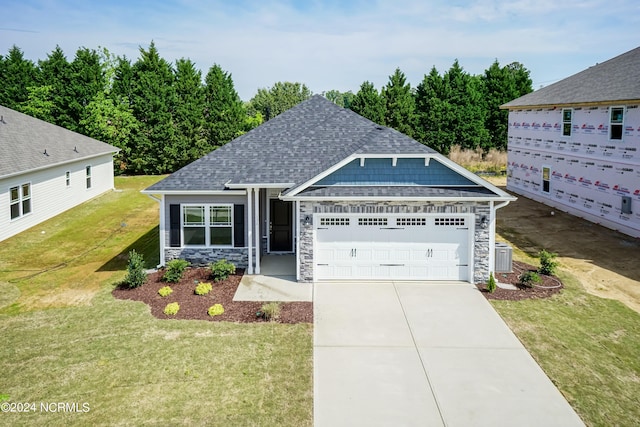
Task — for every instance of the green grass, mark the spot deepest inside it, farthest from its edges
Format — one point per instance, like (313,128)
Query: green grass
(66,339)
(588,346)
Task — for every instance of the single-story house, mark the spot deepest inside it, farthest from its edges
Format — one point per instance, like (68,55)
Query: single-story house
(349,198)
(575,145)
(46,170)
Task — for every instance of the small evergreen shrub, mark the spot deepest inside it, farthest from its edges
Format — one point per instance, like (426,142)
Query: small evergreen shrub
(165,291)
(175,270)
(203,288)
(529,279)
(136,275)
(221,269)
(491,284)
(215,310)
(548,263)
(172,309)
(271,311)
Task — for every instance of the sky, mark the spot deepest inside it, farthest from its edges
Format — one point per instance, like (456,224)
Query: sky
(332,44)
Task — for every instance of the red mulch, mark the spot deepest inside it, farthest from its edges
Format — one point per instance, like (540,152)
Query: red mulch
(550,285)
(194,306)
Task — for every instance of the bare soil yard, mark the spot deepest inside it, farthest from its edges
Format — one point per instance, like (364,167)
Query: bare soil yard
(605,261)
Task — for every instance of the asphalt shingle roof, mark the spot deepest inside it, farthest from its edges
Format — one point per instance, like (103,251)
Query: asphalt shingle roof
(617,79)
(291,149)
(25,139)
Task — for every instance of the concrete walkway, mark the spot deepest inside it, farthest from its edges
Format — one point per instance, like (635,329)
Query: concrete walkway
(277,282)
(411,354)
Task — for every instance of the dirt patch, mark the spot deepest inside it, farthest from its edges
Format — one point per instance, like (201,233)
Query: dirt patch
(604,260)
(194,306)
(548,286)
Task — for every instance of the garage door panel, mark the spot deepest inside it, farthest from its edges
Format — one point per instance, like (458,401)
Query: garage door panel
(389,247)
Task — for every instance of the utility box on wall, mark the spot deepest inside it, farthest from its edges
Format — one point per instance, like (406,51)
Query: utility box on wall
(626,205)
(504,258)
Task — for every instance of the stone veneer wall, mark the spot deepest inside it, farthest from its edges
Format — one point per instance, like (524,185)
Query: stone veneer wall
(204,256)
(481,237)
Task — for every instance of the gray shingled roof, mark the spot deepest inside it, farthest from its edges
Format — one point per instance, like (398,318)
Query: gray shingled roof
(617,79)
(24,140)
(290,149)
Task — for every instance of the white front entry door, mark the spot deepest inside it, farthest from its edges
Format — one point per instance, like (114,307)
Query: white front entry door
(393,247)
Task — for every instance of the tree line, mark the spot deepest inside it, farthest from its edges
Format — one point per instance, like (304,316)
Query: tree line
(163,116)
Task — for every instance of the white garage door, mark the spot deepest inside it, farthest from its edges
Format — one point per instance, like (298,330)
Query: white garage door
(393,247)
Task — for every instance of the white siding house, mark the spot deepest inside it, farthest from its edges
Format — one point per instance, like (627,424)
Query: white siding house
(46,170)
(575,145)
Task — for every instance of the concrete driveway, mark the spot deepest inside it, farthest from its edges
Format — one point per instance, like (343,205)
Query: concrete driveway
(418,354)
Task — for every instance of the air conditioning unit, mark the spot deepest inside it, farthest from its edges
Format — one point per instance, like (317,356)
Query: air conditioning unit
(504,258)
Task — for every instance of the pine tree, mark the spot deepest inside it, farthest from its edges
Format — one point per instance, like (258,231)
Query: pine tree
(153,99)
(400,104)
(369,103)
(189,112)
(55,73)
(17,75)
(224,111)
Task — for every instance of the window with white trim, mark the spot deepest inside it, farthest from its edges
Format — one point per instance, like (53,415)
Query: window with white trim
(616,123)
(88,176)
(207,225)
(20,200)
(67,178)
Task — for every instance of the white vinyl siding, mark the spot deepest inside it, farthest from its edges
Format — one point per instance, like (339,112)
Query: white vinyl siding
(49,193)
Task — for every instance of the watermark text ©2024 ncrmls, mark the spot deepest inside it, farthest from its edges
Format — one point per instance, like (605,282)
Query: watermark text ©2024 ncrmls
(52,407)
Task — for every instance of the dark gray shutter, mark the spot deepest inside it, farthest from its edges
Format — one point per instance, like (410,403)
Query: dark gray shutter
(238,226)
(174,226)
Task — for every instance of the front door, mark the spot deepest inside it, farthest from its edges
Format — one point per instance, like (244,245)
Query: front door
(280,230)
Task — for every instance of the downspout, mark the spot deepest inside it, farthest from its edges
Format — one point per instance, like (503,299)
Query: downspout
(492,235)
(161,227)
(249,231)
(256,227)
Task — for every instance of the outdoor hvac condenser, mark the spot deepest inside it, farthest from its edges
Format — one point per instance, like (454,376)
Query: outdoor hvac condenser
(504,258)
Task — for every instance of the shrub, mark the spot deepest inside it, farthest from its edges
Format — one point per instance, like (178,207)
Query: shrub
(175,270)
(166,291)
(270,311)
(529,278)
(491,284)
(136,275)
(215,310)
(221,269)
(548,263)
(203,288)
(171,309)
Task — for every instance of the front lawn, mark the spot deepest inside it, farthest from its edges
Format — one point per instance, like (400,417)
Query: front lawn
(67,340)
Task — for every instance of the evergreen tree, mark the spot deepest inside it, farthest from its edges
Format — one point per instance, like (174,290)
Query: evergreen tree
(87,80)
(400,104)
(153,100)
(369,103)
(501,85)
(55,73)
(224,111)
(432,112)
(466,117)
(17,75)
(189,113)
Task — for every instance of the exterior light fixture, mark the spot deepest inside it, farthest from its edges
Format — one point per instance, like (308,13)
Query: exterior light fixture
(484,222)
(307,220)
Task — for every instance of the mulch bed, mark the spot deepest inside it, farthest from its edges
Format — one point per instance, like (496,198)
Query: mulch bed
(194,306)
(549,285)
